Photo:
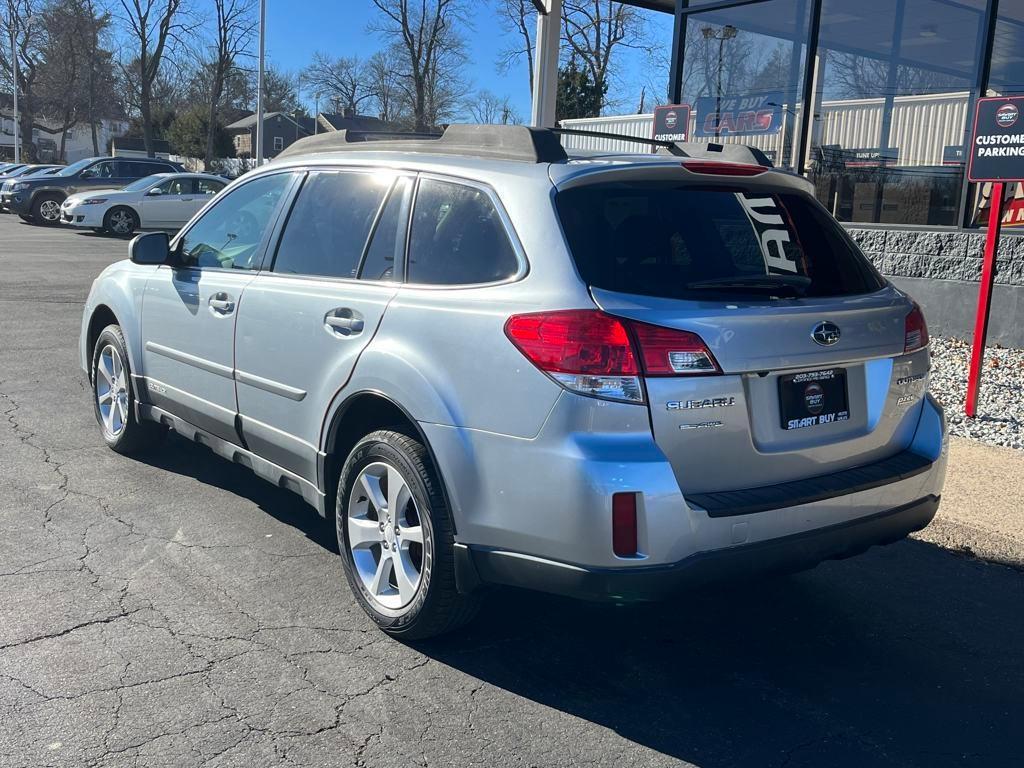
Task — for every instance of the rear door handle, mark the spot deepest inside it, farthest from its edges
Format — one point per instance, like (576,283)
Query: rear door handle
(343,322)
(222,304)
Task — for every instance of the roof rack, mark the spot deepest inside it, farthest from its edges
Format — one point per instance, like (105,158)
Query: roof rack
(501,142)
(616,137)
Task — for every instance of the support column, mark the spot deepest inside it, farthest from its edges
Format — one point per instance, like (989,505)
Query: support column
(675,72)
(545,70)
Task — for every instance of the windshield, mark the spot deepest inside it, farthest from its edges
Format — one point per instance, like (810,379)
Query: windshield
(26,171)
(141,184)
(40,172)
(74,168)
(675,241)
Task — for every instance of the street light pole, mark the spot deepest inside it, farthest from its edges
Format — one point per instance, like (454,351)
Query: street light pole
(259,85)
(14,87)
(728,32)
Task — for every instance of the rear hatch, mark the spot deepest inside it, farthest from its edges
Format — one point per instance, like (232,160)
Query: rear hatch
(816,363)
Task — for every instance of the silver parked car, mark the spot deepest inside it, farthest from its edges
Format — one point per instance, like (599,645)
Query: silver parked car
(491,362)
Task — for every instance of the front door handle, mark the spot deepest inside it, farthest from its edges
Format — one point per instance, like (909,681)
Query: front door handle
(343,322)
(222,304)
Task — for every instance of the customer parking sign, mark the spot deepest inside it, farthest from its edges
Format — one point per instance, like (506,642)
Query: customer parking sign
(997,143)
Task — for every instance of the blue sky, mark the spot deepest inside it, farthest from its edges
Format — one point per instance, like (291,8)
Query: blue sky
(341,30)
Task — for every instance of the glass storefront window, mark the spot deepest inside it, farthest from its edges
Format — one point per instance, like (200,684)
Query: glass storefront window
(743,74)
(893,88)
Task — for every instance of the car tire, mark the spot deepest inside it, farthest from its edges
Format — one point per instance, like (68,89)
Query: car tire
(114,397)
(46,210)
(420,543)
(121,221)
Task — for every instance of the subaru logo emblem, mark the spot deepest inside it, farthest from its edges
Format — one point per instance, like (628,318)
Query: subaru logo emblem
(826,334)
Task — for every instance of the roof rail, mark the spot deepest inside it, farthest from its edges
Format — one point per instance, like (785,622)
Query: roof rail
(616,137)
(501,142)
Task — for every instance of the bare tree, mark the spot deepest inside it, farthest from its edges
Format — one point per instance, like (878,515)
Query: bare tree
(594,30)
(345,82)
(490,108)
(29,38)
(100,91)
(519,18)
(385,82)
(152,25)
(236,25)
(432,54)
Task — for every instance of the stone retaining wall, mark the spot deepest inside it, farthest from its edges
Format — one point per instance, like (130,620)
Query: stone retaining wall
(940,255)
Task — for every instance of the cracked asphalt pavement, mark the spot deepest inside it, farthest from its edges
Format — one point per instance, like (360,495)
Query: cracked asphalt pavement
(180,612)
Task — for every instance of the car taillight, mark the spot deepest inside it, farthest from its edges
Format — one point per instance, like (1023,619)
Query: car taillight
(668,352)
(590,352)
(584,350)
(915,334)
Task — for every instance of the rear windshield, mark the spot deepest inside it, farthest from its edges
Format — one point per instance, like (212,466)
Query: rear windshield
(673,241)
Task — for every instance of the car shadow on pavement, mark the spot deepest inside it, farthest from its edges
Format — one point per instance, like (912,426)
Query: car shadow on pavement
(184,457)
(908,655)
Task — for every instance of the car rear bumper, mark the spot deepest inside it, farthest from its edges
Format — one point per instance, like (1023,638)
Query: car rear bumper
(545,504)
(787,554)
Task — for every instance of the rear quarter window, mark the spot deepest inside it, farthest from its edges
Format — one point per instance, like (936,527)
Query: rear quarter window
(458,237)
(662,239)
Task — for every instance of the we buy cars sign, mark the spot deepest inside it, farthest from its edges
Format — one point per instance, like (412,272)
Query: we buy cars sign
(997,142)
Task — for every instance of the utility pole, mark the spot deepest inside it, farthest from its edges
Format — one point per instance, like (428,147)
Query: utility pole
(259,85)
(14,85)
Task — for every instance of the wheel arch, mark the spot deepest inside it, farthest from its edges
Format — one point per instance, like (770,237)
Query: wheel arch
(358,414)
(56,192)
(113,301)
(101,317)
(128,207)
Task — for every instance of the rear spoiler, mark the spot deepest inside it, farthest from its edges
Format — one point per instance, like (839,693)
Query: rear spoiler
(732,153)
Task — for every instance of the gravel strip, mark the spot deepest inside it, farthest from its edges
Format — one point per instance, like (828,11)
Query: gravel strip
(1000,419)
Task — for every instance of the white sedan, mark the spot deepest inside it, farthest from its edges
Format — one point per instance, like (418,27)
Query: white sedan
(161,201)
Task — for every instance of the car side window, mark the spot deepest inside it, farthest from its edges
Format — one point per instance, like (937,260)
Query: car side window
(208,187)
(388,240)
(176,187)
(229,235)
(330,223)
(103,170)
(134,170)
(457,237)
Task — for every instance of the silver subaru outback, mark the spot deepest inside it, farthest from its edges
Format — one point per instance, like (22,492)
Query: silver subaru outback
(493,361)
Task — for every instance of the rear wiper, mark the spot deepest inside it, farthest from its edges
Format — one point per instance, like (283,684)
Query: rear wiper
(795,285)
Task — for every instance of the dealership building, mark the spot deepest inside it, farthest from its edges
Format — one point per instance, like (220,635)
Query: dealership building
(872,101)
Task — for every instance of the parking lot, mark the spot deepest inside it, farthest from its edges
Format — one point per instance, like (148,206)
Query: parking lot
(180,612)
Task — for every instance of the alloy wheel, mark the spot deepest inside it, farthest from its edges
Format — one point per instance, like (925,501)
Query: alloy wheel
(49,210)
(121,222)
(385,535)
(112,391)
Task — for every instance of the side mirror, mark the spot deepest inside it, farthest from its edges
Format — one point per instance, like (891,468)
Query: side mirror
(155,192)
(150,248)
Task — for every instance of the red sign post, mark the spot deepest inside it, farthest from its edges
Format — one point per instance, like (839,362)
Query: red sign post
(997,155)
